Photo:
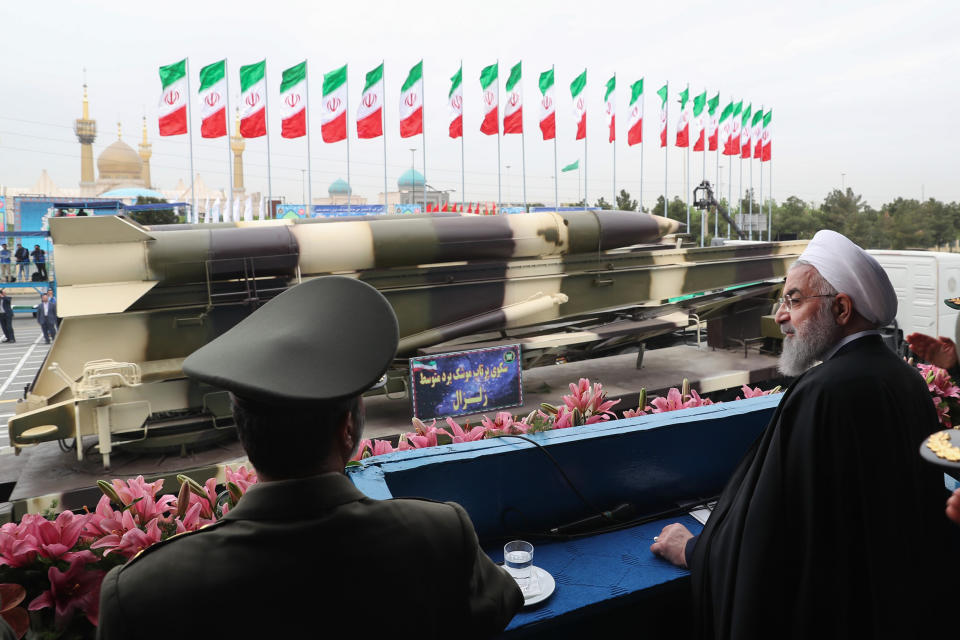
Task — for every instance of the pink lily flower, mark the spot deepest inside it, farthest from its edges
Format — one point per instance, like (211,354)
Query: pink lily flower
(54,539)
(242,477)
(672,402)
(17,547)
(76,588)
(422,441)
(633,413)
(458,434)
(132,542)
(381,447)
(191,519)
(696,401)
(363,451)
(564,419)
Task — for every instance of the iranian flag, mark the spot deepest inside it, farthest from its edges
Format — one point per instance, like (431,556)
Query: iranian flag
(765,137)
(513,111)
(490,95)
(333,113)
(635,124)
(580,104)
(699,102)
(724,126)
(411,103)
(662,92)
(732,146)
(713,122)
(610,100)
(213,100)
(683,123)
(548,111)
(745,132)
(756,133)
(293,101)
(253,100)
(455,98)
(173,99)
(370,111)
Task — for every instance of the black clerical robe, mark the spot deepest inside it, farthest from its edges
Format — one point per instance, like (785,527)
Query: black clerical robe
(832,526)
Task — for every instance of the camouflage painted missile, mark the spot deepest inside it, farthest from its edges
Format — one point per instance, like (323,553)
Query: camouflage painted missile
(141,259)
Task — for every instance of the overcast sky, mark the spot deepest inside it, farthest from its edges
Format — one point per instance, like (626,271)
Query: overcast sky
(865,89)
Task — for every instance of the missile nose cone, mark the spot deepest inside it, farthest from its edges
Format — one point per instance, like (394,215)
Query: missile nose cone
(668,226)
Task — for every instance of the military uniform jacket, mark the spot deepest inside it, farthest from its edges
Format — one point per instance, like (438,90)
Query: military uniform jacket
(314,558)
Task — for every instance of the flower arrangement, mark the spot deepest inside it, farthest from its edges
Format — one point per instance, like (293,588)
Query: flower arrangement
(51,567)
(586,404)
(946,394)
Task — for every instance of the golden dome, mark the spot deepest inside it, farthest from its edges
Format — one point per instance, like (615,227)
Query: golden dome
(119,161)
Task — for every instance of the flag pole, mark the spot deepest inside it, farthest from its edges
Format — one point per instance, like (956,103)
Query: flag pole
(266,116)
(770,205)
(463,155)
(666,149)
(499,190)
(423,135)
(523,144)
(346,118)
(716,216)
(729,191)
(556,172)
(584,150)
(705,215)
(383,121)
(306,116)
(193,194)
(759,232)
(614,141)
(226,118)
(641,149)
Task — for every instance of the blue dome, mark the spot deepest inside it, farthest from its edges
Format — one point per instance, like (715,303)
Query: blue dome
(132,192)
(339,187)
(411,178)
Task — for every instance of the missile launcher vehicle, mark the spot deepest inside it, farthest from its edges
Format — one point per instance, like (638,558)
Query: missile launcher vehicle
(135,301)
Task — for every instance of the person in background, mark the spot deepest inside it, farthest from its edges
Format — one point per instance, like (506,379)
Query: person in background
(6,264)
(23,262)
(6,317)
(47,317)
(40,261)
(832,525)
(296,368)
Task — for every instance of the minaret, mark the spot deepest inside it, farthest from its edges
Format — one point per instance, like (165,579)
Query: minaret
(145,153)
(86,130)
(237,144)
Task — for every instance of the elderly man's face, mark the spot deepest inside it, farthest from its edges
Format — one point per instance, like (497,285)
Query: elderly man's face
(809,327)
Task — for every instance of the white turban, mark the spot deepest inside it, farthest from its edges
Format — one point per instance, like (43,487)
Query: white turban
(853,271)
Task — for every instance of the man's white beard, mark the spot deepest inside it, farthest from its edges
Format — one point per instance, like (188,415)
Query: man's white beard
(803,350)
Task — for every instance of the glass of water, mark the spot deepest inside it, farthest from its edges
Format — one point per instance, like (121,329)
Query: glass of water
(518,560)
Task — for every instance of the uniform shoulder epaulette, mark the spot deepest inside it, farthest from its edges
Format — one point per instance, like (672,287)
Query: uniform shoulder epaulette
(177,536)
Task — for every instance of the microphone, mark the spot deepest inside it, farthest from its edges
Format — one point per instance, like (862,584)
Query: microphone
(620,513)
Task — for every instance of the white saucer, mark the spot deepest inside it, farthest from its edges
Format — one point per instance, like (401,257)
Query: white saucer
(547,586)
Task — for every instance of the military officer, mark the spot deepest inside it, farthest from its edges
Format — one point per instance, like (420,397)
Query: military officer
(304,553)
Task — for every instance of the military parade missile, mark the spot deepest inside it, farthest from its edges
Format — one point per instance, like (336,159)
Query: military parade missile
(106,264)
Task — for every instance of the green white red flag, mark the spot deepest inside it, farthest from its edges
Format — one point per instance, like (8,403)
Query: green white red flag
(333,113)
(699,114)
(745,132)
(663,92)
(455,98)
(411,102)
(713,122)
(370,111)
(732,146)
(766,135)
(293,101)
(253,100)
(213,100)
(548,111)
(490,95)
(610,104)
(635,123)
(513,109)
(580,103)
(724,126)
(173,99)
(683,122)
(756,133)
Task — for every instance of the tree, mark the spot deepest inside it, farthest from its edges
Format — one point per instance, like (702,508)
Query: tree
(155,216)
(624,203)
(603,204)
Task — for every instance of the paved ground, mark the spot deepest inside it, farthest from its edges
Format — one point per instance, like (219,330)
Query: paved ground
(19,363)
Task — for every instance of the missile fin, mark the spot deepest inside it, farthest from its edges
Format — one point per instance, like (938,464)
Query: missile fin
(91,299)
(95,230)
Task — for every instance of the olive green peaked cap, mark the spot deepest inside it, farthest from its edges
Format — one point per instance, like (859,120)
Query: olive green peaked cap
(326,338)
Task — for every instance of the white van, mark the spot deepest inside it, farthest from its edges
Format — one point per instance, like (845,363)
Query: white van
(923,280)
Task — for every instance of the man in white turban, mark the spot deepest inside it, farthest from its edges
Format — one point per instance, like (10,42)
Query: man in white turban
(832,525)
